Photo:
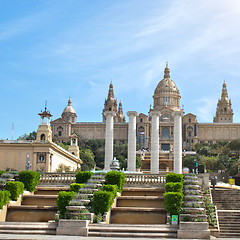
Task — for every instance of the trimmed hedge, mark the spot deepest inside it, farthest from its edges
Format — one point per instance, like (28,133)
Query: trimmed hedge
(63,200)
(74,187)
(174,177)
(173,202)
(110,188)
(4,198)
(174,187)
(115,178)
(82,177)
(30,179)
(15,189)
(102,201)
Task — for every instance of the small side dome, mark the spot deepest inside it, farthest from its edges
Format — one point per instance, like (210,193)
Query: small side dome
(69,108)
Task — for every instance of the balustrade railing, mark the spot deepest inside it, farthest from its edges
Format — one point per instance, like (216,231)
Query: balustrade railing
(57,178)
(130,179)
(143,179)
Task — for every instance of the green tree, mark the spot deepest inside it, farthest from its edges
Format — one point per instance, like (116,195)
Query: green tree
(138,162)
(189,162)
(87,157)
(30,136)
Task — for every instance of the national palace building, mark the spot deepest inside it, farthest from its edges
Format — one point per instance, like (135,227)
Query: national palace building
(166,99)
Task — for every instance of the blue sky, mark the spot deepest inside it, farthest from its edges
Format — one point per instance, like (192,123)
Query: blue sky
(53,49)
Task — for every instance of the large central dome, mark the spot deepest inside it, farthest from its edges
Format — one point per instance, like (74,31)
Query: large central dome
(166,93)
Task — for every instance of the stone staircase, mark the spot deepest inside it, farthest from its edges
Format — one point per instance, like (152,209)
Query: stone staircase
(227,202)
(132,231)
(35,214)
(139,213)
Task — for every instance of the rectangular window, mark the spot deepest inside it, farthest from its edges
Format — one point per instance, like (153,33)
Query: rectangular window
(59,133)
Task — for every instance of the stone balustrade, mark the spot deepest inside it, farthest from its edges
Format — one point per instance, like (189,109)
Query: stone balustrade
(57,178)
(130,179)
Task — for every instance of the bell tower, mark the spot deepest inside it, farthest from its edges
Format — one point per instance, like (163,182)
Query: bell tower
(73,148)
(44,132)
(224,112)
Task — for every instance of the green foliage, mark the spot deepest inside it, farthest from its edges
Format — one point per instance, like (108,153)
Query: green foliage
(121,153)
(2,171)
(63,200)
(138,162)
(173,202)
(30,136)
(189,162)
(30,179)
(87,157)
(4,198)
(74,187)
(15,189)
(115,178)
(110,188)
(174,177)
(82,177)
(102,201)
(63,168)
(97,218)
(174,187)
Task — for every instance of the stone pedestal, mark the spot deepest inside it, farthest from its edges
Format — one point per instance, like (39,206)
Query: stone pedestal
(155,142)
(131,165)
(109,139)
(177,141)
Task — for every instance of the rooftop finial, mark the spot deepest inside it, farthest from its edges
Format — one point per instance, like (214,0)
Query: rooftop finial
(166,71)
(46,105)
(69,101)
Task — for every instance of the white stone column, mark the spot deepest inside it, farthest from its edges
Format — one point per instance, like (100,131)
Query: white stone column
(109,138)
(177,146)
(131,165)
(155,142)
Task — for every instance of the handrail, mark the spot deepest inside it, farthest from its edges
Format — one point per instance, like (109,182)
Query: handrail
(140,179)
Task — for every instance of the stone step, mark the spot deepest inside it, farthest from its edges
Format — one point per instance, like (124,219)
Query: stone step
(28,228)
(132,235)
(229,235)
(143,191)
(40,200)
(31,232)
(126,215)
(53,190)
(132,228)
(28,213)
(140,201)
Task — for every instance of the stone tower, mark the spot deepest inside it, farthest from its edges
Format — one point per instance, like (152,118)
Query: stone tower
(44,132)
(69,113)
(224,112)
(73,148)
(120,116)
(111,105)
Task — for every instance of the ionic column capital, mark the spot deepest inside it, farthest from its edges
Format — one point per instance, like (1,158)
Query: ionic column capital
(154,113)
(111,113)
(177,113)
(134,113)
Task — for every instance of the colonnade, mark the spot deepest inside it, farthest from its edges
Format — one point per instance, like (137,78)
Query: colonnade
(131,165)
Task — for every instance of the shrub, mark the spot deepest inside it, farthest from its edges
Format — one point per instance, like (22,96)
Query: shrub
(174,187)
(74,187)
(15,189)
(1,172)
(116,178)
(30,179)
(102,201)
(63,200)
(4,198)
(110,188)
(173,202)
(174,177)
(82,177)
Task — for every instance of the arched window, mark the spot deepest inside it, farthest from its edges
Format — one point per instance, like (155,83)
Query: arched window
(141,120)
(42,138)
(165,133)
